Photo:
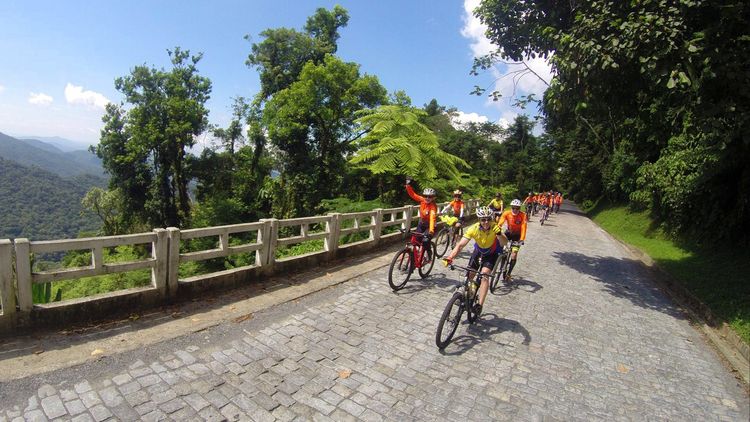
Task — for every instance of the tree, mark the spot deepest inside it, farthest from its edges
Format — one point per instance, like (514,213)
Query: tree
(312,124)
(145,148)
(397,143)
(650,101)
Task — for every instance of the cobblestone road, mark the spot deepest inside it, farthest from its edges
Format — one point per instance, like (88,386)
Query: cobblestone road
(581,334)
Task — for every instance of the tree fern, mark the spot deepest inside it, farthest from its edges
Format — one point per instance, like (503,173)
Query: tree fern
(397,143)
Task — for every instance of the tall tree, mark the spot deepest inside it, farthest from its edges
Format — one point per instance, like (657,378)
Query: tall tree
(650,100)
(149,143)
(312,123)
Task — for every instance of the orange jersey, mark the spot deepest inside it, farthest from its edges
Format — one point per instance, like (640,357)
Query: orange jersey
(516,223)
(558,199)
(426,211)
(458,207)
(529,199)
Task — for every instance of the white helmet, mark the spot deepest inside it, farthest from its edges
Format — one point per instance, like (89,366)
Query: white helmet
(428,192)
(484,212)
(515,203)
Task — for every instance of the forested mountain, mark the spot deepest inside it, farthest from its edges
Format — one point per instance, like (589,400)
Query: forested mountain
(40,205)
(32,152)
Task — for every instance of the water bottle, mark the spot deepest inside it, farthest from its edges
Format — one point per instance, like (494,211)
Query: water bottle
(472,288)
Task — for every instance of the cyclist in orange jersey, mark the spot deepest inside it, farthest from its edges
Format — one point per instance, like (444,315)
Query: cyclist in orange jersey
(516,221)
(427,209)
(529,202)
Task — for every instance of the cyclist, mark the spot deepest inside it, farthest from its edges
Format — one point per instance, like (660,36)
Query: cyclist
(458,208)
(558,202)
(516,223)
(496,205)
(529,202)
(485,234)
(427,210)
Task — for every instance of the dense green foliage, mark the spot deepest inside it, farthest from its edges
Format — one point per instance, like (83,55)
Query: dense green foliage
(144,148)
(649,103)
(40,205)
(716,275)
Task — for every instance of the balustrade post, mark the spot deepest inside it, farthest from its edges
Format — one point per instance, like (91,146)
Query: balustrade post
(173,260)
(406,225)
(160,253)
(377,226)
(23,275)
(7,294)
(334,234)
(271,242)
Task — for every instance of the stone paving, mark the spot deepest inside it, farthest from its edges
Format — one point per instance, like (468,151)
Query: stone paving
(581,334)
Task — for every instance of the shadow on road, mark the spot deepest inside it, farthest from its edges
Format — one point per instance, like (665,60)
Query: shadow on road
(621,278)
(417,284)
(518,283)
(487,326)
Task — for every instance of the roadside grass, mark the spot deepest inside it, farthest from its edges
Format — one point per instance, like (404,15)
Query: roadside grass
(718,275)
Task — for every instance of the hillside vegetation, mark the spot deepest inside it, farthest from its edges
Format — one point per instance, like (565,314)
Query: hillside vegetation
(41,205)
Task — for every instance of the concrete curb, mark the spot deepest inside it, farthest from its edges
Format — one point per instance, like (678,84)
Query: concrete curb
(734,351)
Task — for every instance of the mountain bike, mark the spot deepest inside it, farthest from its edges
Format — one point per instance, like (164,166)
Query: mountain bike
(447,238)
(413,256)
(545,214)
(463,299)
(502,264)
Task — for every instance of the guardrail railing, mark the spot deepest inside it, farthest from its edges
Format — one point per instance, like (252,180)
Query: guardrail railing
(171,247)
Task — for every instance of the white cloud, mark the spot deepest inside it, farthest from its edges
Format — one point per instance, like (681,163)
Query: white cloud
(474,30)
(2,88)
(40,99)
(509,80)
(76,95)
(460,118)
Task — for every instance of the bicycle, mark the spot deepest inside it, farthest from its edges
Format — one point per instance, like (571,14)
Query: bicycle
(413,256)
(447,237)
(502,264)
(545,214)
(463,299)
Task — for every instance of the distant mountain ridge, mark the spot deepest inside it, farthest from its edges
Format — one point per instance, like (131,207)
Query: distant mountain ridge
(63,144)
(33,152)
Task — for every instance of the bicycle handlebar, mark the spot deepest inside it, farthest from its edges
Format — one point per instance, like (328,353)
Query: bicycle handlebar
(454,267)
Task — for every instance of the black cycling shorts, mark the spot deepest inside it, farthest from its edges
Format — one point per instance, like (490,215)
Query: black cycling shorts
(484,260)
(513,237)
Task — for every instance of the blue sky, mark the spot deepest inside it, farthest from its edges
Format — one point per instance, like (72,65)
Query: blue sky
(60,58)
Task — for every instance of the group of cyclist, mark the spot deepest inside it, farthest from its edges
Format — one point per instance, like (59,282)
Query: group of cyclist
(548,200)
(488,234)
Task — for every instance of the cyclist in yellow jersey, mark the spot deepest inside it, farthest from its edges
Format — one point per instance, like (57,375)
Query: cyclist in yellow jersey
(486,235)
(496,205)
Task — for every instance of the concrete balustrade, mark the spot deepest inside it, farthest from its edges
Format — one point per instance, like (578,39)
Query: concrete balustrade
(17,309)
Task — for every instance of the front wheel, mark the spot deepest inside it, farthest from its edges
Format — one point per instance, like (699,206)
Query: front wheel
(497,272)
(400,270)
(449,320)
(441,243)
(428,260)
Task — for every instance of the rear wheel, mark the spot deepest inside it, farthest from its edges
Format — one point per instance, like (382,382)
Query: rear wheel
(428,260)
(441,243)
(449,320)
(400,270)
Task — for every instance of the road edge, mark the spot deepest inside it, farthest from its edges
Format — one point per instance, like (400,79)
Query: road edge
(729,346)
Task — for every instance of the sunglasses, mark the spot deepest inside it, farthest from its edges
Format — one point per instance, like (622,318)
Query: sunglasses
(484,220)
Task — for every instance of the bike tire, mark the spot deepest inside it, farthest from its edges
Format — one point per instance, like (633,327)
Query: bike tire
(402,266)
(428,261)
(449,320)
(497,273)
(441,243)
(470,315)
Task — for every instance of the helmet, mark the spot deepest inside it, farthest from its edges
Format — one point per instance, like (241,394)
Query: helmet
(428,192)
(515,203)
(457,192)
(484,212)
(499,194)
(531,193)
